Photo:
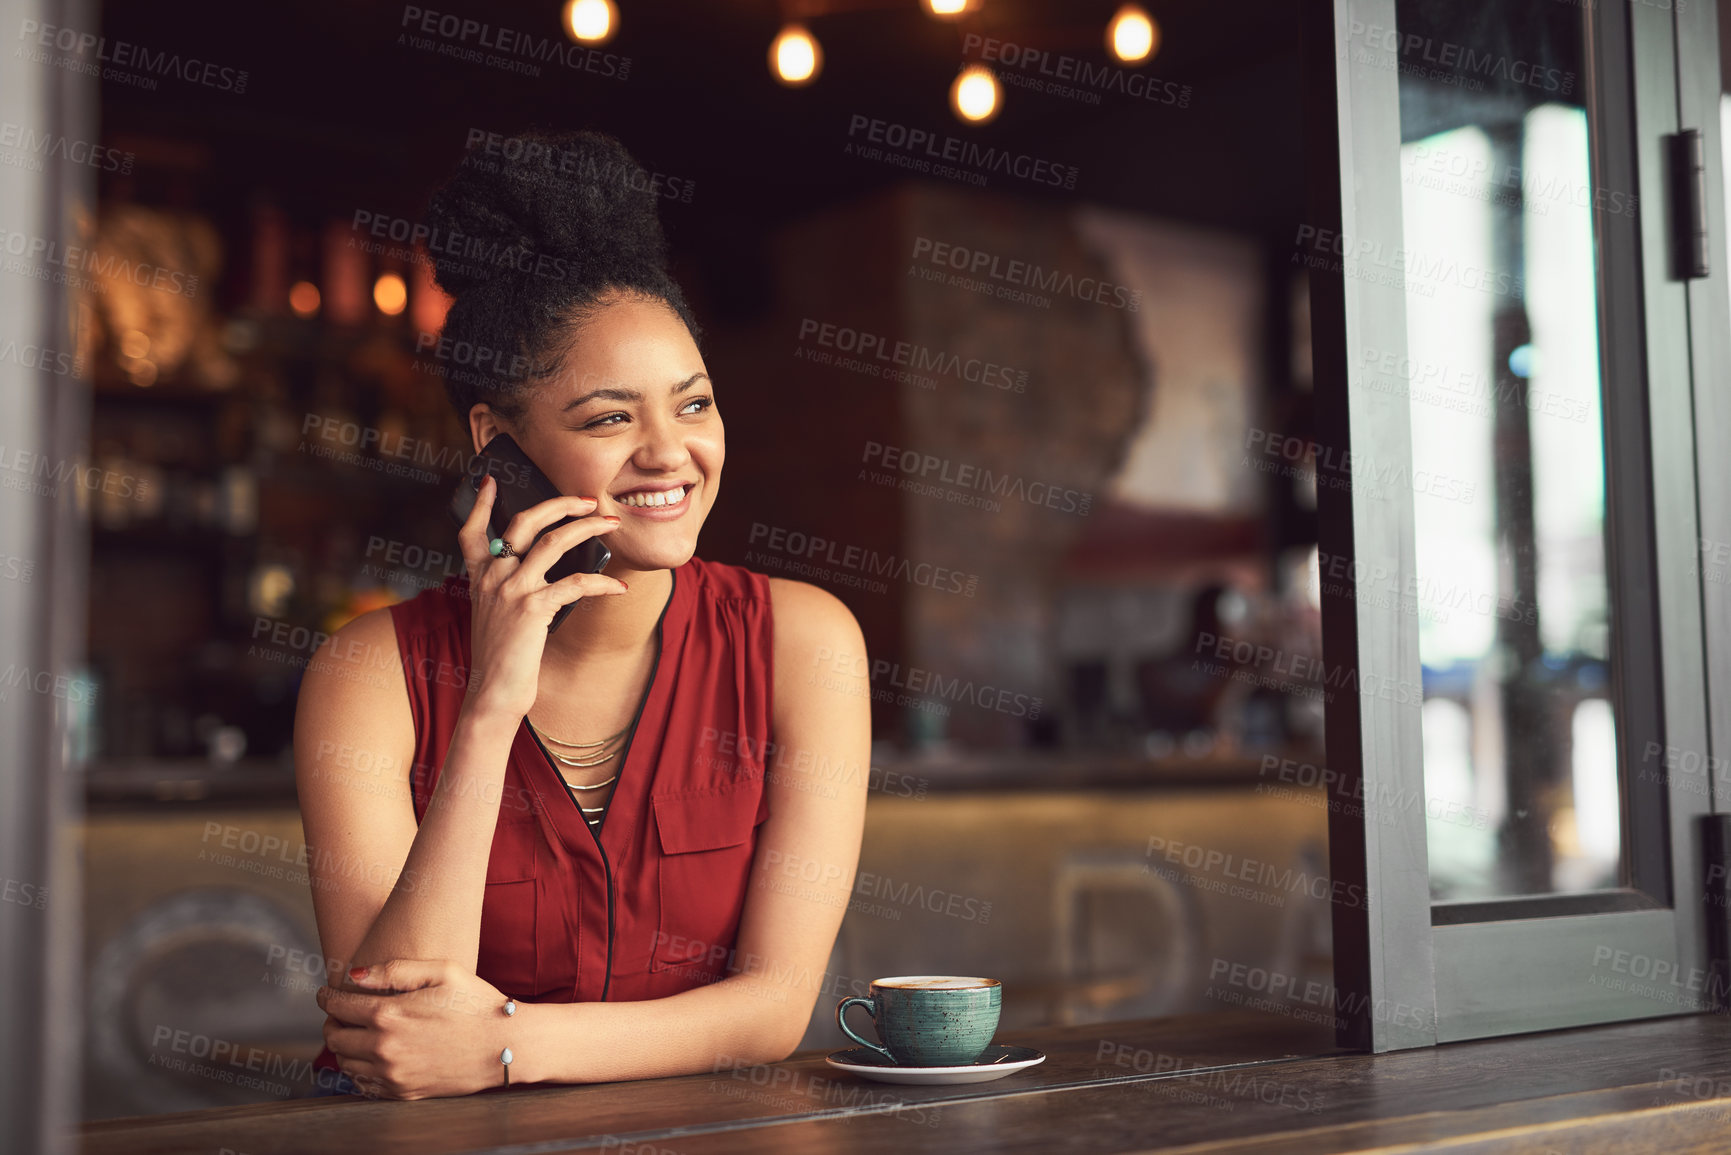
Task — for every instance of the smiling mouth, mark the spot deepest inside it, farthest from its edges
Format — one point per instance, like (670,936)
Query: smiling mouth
(658,500)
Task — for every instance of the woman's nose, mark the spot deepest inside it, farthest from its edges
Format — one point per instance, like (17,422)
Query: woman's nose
(662,447)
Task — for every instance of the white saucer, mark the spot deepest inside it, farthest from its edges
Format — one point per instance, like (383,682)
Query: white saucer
(994,1063)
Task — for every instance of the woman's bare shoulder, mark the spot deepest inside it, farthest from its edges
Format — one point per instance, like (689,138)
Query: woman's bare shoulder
(805,613)
(354,694)
(815,634)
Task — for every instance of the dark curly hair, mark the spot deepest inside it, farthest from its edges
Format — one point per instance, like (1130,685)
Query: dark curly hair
(532,236)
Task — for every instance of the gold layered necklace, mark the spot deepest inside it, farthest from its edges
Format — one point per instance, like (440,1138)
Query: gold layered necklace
(593,754)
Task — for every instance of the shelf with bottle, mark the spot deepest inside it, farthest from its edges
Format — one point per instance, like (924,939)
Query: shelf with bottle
(144,506)
(257,464)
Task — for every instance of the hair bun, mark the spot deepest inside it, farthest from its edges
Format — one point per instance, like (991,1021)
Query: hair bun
(571,207)
(532,236)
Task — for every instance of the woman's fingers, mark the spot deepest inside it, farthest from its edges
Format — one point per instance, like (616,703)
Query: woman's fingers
(351,1043)
(580,585)
(475,539)
(523,528)
(555,543)
(472,537)
(351,1007)
(406,974)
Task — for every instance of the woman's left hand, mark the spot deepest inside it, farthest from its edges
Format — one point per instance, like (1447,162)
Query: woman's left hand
(417,1029)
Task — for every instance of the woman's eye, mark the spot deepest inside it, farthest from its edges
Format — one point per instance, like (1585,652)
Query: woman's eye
(701,403)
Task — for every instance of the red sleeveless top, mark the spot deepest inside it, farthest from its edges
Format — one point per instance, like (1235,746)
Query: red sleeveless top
(647,904)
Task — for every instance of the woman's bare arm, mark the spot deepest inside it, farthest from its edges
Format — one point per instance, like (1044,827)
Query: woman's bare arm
(384,887)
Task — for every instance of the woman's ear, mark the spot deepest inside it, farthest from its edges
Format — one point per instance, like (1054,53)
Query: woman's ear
(483,424)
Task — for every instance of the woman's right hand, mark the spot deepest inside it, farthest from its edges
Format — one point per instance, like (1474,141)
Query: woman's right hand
(511,603)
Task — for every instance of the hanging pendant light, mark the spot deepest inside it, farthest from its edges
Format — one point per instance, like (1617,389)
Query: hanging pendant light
(1132,37)
(390,294)
(591,21)
(795,59)
(304,299)
(975,96)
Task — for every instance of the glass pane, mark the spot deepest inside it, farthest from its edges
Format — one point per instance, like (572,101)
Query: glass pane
(1508,477)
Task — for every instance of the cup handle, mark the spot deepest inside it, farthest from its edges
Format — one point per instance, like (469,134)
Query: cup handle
(872,1010)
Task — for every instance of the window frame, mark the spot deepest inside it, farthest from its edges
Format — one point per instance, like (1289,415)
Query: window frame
(1507,966)
(1702,80)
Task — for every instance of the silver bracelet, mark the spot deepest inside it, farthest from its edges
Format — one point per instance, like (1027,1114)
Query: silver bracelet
(510,1008)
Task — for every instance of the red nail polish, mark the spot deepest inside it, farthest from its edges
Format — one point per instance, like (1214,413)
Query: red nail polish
(608,517)
(626,584)
(359,972)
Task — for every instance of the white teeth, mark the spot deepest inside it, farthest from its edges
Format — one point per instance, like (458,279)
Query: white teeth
(644,500)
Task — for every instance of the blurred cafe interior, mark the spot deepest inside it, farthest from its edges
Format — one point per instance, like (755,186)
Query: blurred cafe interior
(1014,342)
(1058,676)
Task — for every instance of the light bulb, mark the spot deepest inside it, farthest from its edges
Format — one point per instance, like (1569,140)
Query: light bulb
(795,58)
(943,9)
(974,96)
(304,298)
(390,294)
(1132,36)
(591,21)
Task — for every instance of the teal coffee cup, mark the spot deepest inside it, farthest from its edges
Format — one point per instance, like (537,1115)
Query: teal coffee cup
(929,1020)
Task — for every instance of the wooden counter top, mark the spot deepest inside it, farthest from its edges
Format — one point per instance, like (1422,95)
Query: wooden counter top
(1225,1082)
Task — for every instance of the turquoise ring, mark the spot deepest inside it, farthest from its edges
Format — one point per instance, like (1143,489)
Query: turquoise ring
(499,547)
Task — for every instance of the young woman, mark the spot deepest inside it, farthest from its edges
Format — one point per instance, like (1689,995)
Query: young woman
(622,849)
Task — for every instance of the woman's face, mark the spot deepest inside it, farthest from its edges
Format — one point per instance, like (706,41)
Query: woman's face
(630,419)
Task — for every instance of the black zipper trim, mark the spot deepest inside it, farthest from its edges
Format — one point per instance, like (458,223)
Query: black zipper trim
(607,874)
(624,755)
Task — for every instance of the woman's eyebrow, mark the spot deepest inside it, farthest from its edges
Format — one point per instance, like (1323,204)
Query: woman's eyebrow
(625,393)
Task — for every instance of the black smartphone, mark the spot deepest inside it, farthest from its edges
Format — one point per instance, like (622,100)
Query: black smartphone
(521,486)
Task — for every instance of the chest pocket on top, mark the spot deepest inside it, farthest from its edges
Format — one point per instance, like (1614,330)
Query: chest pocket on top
(707,843)
(508,950)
